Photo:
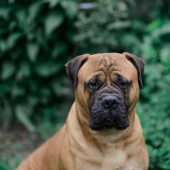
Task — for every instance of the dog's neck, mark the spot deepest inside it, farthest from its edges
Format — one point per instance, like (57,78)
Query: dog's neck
(82,135)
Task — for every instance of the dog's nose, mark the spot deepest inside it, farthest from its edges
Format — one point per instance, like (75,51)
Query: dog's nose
(110,102)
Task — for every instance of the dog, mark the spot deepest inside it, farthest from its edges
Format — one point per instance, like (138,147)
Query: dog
(102,131)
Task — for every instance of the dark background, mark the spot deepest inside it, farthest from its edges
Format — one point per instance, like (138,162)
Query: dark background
(36,40)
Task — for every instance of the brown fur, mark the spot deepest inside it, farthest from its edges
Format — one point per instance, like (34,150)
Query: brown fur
(77,147)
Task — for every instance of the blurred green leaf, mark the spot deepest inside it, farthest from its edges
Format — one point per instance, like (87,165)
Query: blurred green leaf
(53,21)
(47,68)
(71,7)
(32,50)
(4,12)
(12,39)
(34,10)
(23,71)
(2,45)
(7,70)
(59,49)
(164,30)
(53,3)
(154,25)
(22,115)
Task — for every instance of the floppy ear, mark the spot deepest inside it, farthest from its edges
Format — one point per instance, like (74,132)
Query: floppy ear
(139,64)
(73,66)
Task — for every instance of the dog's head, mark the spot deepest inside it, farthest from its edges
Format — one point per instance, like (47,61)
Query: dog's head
(106,87)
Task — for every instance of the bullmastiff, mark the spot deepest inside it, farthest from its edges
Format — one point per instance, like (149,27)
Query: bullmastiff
(102,131)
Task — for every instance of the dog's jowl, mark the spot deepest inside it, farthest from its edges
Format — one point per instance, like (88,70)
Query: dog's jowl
(102,131)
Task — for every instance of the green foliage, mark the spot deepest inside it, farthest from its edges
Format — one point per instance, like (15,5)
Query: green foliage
(36,39)
(134,27)
(8,164)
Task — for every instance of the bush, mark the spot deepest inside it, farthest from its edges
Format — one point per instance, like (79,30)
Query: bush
(36,39)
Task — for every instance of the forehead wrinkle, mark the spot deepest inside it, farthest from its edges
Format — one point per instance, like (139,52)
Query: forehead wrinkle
(102,62)
(107,64)
(111,64)
(102,65)
(106,61)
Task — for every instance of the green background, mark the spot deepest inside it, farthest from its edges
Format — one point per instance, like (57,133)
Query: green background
(36,40)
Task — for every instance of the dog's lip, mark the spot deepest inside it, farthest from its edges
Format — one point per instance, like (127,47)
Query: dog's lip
(95,128)
(122,127)
(109,126)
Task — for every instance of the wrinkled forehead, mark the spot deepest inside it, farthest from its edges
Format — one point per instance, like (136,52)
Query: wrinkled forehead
(107,60)
(108,63)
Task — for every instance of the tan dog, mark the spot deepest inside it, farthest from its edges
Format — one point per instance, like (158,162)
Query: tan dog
(102,131)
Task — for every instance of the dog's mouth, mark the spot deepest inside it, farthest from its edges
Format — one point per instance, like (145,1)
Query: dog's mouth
(104,125)
(108,112)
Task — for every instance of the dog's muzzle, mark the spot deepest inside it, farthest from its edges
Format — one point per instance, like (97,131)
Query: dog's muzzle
(108,111)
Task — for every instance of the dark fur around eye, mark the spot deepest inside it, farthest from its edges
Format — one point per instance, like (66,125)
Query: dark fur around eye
(123,83)
(94,84)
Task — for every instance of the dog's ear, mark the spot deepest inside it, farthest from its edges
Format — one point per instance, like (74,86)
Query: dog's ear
(73,66)
(139,64)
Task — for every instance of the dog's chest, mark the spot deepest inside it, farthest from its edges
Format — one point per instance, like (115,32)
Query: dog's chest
(111,160)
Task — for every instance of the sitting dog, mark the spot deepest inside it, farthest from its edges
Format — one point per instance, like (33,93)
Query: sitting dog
(102,131)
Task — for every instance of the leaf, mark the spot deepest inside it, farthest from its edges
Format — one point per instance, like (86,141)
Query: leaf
(7,70)
(154,25)
(164,30)
(52,21)
(47,69)
(12,39)
(22,115)
(53,3)
(17,91)
(60,89)
(59,49)
(4,12)
(23,71)
(2,45)
(32,50)
(34,10)
(70,7)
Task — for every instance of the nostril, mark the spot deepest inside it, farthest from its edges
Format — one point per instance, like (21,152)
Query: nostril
(110,102)
(114,105)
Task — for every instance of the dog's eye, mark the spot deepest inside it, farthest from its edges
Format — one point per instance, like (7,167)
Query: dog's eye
(93,84)
(124,84)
